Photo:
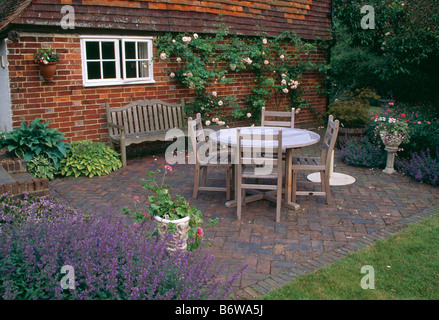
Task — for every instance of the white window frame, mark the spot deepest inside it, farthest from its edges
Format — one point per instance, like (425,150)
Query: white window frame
(119,46)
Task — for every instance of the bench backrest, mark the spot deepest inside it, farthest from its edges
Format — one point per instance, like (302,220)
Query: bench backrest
(145,116)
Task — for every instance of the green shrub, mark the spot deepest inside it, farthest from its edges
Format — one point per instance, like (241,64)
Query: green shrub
(41,167)
(353,108)
(88,158)
(38,139)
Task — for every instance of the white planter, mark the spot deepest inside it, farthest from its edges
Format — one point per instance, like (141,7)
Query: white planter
(180,236)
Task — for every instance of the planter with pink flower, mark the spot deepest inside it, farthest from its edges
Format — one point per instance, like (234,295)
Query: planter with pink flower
(173,215)
(47,60)
(392,132)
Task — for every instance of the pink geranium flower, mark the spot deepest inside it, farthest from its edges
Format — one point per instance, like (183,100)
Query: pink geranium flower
(169,168)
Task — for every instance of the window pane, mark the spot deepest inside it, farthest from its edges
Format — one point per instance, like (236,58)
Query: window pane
(92,50)
(143,69)
(130,69)
(130,50)
(142,50)
(93,70)
(109,68)
(108,50)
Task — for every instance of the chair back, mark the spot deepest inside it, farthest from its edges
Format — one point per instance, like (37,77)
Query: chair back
(259,148)
(197,135)
(329,141)
(286,117)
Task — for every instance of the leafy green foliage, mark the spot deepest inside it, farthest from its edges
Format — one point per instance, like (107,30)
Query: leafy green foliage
(38,139)
(88,158)
(41,167)
(353,108)
(45,56)
(205,62)
(398,58)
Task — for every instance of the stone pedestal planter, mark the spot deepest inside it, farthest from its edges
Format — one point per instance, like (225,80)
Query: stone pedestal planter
(390,159)
(391,149)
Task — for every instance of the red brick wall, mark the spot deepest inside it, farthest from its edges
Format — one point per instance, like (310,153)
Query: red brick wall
(78,111)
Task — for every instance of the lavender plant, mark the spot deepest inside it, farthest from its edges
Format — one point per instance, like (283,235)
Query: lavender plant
(111,260)
(422,166)
(363,153)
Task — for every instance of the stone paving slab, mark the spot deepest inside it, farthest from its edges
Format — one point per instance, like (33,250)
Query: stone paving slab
(376,206)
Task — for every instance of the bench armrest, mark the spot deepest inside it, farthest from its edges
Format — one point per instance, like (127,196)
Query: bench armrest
(110,124)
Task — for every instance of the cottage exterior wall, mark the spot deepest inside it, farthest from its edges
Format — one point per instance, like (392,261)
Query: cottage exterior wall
(79,111)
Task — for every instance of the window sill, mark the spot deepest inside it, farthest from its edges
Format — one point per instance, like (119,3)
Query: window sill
(117,83)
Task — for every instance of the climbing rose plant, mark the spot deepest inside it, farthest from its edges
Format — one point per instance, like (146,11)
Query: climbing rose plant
(202,62)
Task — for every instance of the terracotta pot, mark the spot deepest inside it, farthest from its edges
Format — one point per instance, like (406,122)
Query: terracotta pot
(48,70)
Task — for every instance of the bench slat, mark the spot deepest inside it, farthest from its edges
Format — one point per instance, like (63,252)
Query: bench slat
(171,120)
(151,119)
(130,120)
(141,119)
(175,123)
(136,120)
(145,118)
(165,116)
(160,110)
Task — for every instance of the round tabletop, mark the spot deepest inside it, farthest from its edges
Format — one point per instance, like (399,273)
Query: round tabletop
(291,137)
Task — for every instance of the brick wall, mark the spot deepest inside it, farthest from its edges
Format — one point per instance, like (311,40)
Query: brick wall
(78,111)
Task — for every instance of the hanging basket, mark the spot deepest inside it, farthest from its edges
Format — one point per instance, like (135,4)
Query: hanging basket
(48,70)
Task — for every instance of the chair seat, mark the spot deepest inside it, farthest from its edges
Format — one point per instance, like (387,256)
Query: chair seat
(252,171)
(311,163)
(216,159)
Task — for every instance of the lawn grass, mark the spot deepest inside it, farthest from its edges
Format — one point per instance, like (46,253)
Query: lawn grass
(406,267)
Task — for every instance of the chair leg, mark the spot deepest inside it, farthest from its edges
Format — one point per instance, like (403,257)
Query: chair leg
(204,176)
(196,181)
(238,202)
(327,189)
(238,192)
(278,204)
(228,184)
(294,183)
(279,198)
(323,181)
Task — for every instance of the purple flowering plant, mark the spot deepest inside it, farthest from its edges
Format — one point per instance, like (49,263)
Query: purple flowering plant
(111,260)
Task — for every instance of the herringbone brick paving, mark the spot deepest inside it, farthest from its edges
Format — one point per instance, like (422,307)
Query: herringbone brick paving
(375,206)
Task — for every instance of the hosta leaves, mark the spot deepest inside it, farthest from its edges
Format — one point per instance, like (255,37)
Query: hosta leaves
(90,159)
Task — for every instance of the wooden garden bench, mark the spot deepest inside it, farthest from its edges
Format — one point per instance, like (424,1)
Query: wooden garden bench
(143,120)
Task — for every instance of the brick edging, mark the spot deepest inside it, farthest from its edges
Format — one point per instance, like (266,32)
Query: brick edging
(36,186)
(272,282)
(13,165)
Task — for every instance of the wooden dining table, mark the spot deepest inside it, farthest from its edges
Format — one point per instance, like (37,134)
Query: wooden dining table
(292,138)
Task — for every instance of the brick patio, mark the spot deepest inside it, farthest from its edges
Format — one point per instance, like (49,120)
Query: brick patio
(376,206)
